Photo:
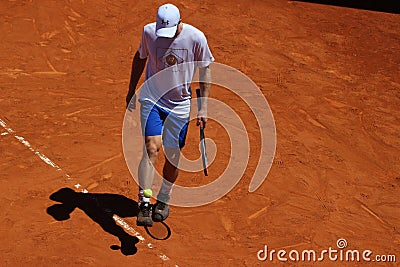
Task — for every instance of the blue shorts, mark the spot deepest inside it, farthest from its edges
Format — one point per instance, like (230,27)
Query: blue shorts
(158,121)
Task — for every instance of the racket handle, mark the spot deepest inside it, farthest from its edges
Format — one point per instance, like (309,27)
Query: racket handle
(202,137)
(198,99)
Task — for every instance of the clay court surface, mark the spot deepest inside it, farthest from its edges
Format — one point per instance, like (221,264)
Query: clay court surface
(330,75)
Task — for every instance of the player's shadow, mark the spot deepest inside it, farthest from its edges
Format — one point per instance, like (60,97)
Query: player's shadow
(100,208)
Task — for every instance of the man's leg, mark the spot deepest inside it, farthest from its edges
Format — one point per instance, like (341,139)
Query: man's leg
(151,122)
(174,136)
(170,170)
(170,173)
(146,175)
(146,166)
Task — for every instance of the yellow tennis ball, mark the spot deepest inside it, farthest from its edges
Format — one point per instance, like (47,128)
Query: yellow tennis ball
(147,193)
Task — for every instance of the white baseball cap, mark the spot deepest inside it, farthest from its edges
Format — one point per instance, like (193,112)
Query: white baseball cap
(168,18)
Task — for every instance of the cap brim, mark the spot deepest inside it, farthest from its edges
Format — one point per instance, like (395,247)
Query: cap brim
(167,32)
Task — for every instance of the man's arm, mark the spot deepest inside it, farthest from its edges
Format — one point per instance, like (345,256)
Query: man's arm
(205,87)
(138,65)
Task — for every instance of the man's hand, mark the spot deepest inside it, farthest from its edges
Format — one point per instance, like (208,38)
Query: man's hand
(202,118)
(138,65)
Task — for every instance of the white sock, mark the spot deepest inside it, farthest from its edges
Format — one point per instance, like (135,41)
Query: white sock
(141,198)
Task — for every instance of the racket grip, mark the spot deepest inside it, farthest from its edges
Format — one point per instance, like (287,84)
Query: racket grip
(198,99)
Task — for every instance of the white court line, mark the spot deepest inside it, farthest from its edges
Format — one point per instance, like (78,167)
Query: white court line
(46,160)
(28,145)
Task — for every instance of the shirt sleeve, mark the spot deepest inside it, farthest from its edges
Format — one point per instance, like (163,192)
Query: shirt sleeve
(143,49)
(203,55)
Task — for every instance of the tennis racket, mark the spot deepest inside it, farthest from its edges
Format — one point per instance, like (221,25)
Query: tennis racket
(202,137)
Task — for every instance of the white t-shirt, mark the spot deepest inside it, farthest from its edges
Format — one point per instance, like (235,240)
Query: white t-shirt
(178,57)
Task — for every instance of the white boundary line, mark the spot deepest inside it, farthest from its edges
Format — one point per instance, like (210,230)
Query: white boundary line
(28,145)
(46,160)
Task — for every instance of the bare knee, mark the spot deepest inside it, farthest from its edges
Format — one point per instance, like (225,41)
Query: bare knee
(152,146)
(152,150)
